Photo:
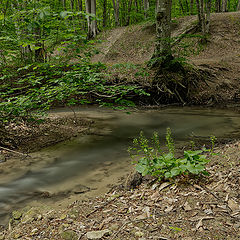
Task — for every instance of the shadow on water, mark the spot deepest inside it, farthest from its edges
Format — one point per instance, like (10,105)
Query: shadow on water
(83,157)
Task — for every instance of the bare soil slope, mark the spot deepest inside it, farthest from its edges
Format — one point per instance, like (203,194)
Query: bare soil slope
(220,57)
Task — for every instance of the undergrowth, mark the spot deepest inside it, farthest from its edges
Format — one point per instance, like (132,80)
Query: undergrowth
(29,91)
(165,165)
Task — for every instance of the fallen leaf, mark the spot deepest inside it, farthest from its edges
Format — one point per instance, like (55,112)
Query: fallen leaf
(187,207)
(233,205)
(169,209)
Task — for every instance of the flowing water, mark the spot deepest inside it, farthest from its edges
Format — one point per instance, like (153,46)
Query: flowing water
(92,162)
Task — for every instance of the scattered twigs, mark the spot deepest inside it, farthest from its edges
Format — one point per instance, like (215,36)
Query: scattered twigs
(119,230)
(131,221)
(101,207)
(13,151)
(208,191)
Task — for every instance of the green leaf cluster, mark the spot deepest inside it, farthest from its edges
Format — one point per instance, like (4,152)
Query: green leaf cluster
(33,89)
(153,161)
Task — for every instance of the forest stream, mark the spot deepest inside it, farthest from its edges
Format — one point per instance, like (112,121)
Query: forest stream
(88,165)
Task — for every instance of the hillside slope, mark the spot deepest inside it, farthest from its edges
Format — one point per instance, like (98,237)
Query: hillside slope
(220,57)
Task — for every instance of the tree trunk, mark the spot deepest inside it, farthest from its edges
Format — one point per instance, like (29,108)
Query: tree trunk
(80,5)
(146,8)
(116,11)
(201,15)
(40,51)
(129,12)
(238,5)
(187,7)
(218,5)
(224,5)
(191,7)
(163,29)
(64,4)
(92,23)
(208,12)
(104,13)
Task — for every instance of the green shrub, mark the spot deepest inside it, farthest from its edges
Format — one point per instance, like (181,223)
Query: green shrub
(163,165)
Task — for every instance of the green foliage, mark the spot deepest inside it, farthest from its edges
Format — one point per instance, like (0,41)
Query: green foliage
(37,87)
(163,165)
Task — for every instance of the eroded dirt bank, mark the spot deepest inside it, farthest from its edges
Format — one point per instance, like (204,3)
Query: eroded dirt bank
(216,65)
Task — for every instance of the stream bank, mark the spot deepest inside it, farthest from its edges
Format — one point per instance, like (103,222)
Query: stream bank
(199,209)
(56,206)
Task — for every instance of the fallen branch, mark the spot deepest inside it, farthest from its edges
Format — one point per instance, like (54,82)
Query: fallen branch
(183,34)
(13,151)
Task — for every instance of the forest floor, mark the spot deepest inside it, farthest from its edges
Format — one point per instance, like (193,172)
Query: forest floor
(206,208)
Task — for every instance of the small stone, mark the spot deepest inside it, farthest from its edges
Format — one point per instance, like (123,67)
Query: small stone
(69,235)
(98,234)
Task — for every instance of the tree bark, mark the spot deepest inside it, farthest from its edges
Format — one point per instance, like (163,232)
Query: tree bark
(80,5)
(238,5)
(146,7)
(64,4)
(201,15)
(104,13)
(218,6)
(163,29)
(116,11)
(181,6)
(208,12)
(224,5)
(129,12)
(92,23)
(191,7)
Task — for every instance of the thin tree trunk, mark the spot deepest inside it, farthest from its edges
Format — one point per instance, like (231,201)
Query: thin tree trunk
(224,5)
(238,5)
(64,4)
(146,7)
(163,29)
(201,15)
(40,51)
(129,12)
(92,23)
(187,7)
(116,11)
(80,5)
(104,13)
(208,12)
(191,7)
